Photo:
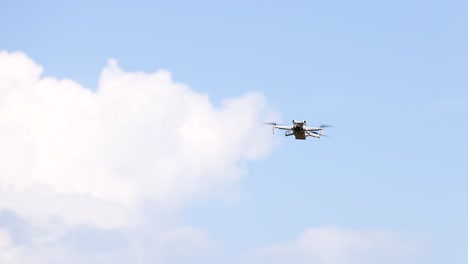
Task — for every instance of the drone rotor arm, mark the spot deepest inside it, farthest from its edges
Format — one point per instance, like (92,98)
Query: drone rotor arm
(313,134)
(314,128)
(283,127)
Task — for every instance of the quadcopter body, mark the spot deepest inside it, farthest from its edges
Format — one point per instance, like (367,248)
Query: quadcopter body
(299,130)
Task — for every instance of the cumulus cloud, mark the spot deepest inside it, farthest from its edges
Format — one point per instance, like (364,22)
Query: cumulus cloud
(82,166)
(331,245)
(81,157)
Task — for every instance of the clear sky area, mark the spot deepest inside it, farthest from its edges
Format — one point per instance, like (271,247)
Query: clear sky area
(132,132)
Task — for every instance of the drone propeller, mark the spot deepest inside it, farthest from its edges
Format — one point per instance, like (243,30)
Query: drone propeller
(323,130)
(273,125)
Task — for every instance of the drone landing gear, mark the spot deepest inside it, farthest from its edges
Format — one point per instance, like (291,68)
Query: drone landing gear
(312,134)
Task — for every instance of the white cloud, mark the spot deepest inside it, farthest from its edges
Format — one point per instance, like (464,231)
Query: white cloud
(331,245)
(73,156)
(81,167)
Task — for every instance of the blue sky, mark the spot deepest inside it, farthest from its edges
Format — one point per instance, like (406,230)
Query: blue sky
(390,76)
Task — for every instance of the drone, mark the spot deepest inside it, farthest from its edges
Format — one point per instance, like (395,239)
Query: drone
(300,130)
